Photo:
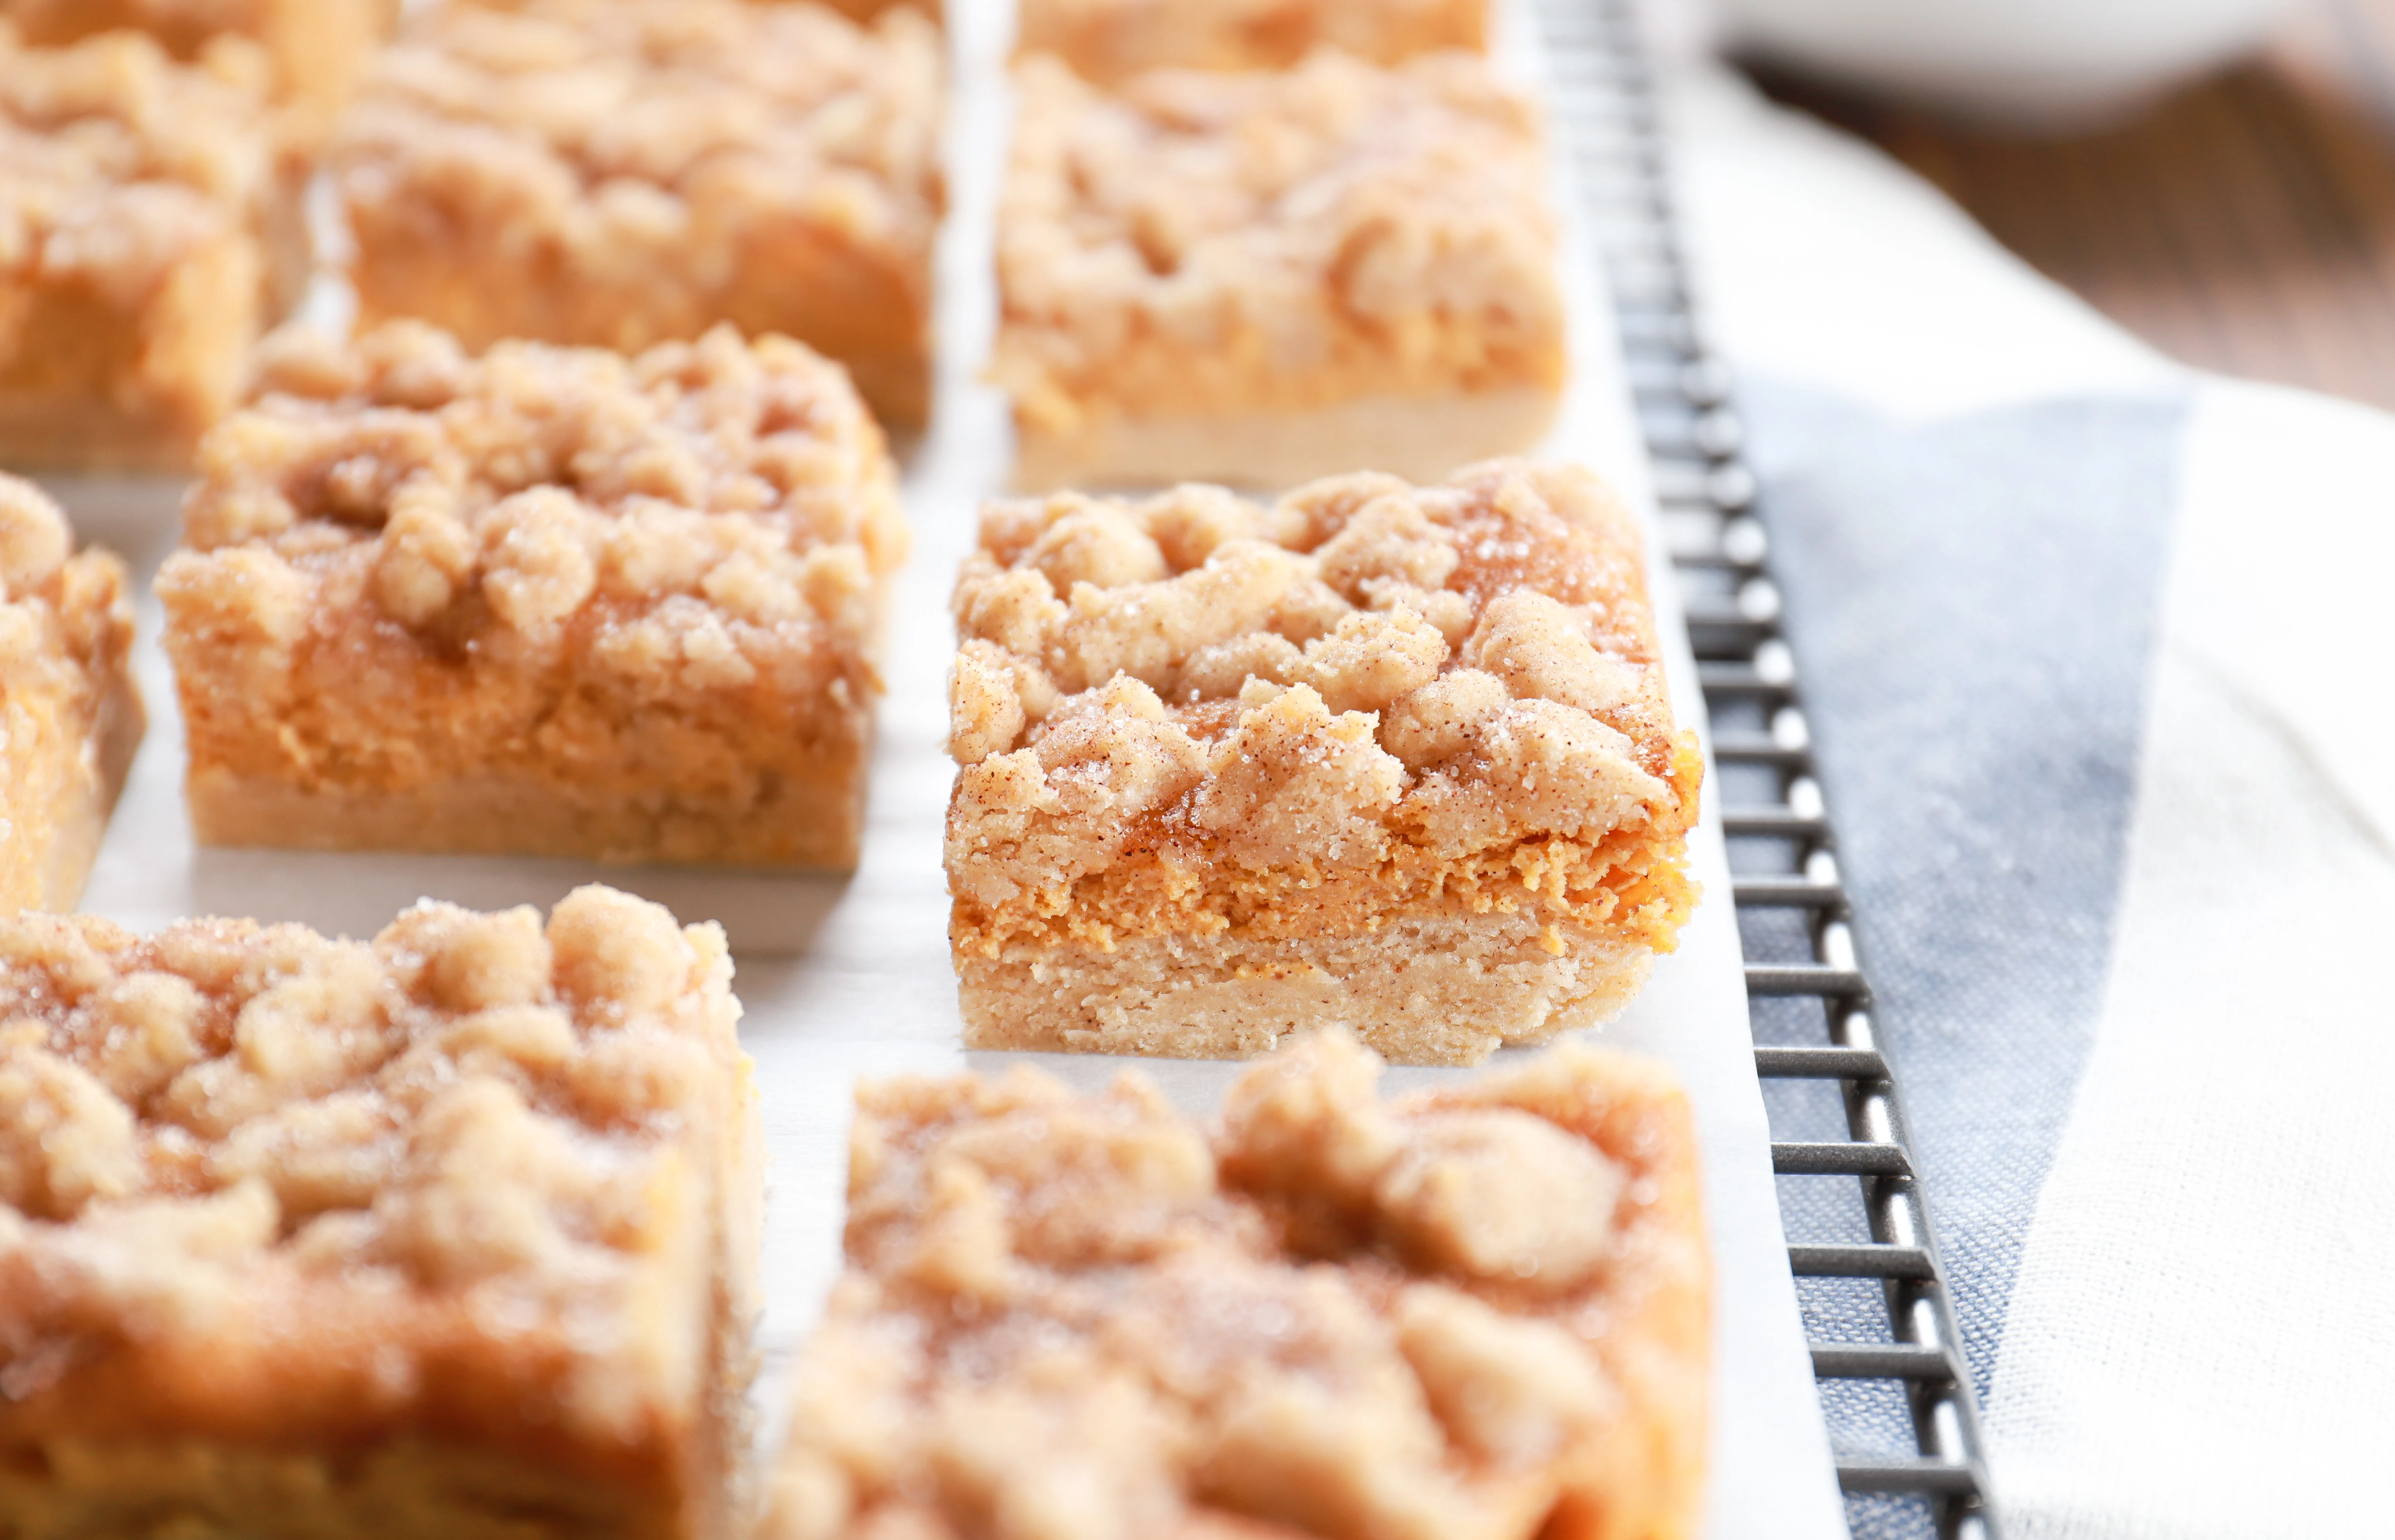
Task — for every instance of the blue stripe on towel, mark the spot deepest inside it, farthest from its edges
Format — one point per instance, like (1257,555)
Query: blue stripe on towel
(1972,604)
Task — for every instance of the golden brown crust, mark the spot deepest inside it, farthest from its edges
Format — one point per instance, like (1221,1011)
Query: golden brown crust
(1422,989)
(1481,1314)
(1196,245)
(636,598)
(1108,40)
(69,714)
(623,172)
(483,1185)
(148,208)
(1198,715)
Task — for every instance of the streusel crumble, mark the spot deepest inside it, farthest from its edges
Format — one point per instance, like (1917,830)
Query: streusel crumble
(1480,1314)
(1108,40)
(149,228)
(315,50)
(70,715)
(1257,278)
(625,172)
(1389,757)
(550,601)
(452,1234)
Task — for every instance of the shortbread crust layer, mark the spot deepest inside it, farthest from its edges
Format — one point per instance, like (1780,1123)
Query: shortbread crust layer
(805,815)
(1479,1313)
(1420,439)
(71,715)
(1390,757)
(444,1234)
(1436,990)
(551,601)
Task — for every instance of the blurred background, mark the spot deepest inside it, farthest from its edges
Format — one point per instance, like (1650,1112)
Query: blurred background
(2218,176)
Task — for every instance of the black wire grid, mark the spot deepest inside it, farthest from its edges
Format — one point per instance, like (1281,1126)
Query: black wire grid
(1808,999)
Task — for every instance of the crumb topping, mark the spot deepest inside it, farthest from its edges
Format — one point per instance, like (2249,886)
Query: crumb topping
(1248,241)
(66,621)
(474,1105)
(516,489)
(1196,711)
(649,140)
(116,163)
(1338,1315)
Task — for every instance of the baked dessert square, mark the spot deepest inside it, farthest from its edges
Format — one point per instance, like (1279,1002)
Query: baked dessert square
(1110,40)
(315,50)
(70,713)
(1390,757)
(547,602)
(1481,1312)
(452,1233)
(1261,279)
(619,173)
(150,226)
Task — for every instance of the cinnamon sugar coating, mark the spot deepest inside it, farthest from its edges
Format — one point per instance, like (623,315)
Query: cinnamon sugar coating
(1107,40)
(1197,246)
(620,173)
(282,1214)
(149,227)
(69,714)
(1469,1315)
(1258,726)
(550,601)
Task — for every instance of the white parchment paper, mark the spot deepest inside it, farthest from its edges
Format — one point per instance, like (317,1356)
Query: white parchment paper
(849,976)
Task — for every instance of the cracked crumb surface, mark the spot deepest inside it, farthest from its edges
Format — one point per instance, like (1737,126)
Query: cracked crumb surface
(148,218)
(548,600)
(69,714)
(624,172)
(1224,247)
(472,1204)
(1472,1314)
(314,49)
(1107,40)
(1210,749)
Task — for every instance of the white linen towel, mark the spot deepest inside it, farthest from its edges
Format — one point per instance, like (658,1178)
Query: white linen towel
(2103,656)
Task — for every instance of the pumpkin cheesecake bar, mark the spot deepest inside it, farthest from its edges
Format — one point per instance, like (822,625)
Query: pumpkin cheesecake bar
(1257,279)
(453,1234)
(619,173)
(1109,40)
(315,50)
(70,715)
(1392,758)
(150,228)
(1480,1313)
(547,602)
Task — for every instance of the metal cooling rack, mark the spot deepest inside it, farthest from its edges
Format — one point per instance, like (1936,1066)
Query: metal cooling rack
(1793,911)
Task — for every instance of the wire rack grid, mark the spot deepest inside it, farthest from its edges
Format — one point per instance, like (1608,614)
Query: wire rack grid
(1794,910)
